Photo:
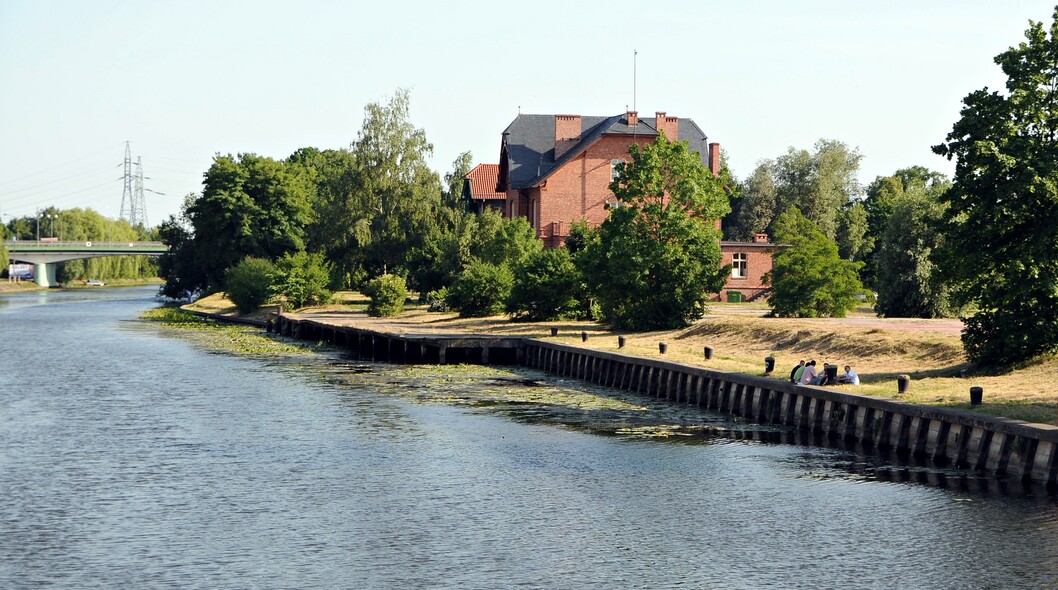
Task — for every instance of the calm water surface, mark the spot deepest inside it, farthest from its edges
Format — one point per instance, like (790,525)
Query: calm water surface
(131,458)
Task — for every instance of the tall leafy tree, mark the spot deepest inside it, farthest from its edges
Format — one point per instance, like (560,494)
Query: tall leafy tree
(250,206)
(1002,220)
(657,257)
(453,195)
(394,180)
(916,182)
(908,282)
(808,276)
(818,183)
(758,202)
(852,231)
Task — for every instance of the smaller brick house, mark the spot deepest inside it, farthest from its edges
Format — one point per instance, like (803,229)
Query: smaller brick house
(749,261)
(479,189)
(555,170)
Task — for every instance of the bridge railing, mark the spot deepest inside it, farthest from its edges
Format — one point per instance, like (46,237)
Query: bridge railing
(79,244)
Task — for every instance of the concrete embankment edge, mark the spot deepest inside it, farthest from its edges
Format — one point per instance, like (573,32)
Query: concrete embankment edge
(998,446)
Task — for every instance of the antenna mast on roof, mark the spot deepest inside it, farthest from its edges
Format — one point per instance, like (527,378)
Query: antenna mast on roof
(635,128)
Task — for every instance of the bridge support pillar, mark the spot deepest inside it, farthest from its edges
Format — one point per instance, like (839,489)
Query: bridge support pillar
(44,274)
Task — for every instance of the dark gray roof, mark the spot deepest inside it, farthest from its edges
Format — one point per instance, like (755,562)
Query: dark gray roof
(529,143)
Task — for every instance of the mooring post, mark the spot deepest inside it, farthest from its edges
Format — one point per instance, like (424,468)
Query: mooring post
(902,383)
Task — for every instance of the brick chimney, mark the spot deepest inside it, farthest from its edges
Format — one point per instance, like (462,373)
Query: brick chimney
(567,133)
(760,238)
(632,117)
(714,158)
(670,125)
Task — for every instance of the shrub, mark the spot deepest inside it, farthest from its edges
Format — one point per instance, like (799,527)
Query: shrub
(480,290)
(436,300)
(387,294)
(249,283)
(547,287)
(302,279)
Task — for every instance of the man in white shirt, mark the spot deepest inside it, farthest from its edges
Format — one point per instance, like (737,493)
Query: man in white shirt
(849,377)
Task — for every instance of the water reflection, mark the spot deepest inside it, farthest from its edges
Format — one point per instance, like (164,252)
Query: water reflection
(143,461)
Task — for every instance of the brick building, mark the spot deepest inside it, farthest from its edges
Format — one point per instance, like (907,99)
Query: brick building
(479,189)
(556,169)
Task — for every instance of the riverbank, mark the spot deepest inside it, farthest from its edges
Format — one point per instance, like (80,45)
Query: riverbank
(741,337)
(7,287)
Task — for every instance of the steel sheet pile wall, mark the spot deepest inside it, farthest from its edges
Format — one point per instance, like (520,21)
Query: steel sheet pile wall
(964,439)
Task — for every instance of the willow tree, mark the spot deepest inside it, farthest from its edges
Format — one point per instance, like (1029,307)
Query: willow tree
(1001,230)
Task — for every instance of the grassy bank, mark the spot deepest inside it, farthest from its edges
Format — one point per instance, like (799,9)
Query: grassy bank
(235,339)
(741,337)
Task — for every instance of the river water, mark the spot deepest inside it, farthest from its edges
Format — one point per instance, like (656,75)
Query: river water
(134,458)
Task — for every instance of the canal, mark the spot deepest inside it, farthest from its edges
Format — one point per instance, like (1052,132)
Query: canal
(131,456)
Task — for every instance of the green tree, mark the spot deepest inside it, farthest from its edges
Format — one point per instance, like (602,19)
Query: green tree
(395,182)
(387,293)
(818,183)
(758,203)
(177,266)
(809,278)
(852,231)
(547,286)
(301,279)
(250,206)
(248,284)
(453,195)
(882,194)
(657,257)
(908,281)
(1001,248)
(481,289)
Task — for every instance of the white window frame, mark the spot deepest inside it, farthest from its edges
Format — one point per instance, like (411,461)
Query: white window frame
(739,265)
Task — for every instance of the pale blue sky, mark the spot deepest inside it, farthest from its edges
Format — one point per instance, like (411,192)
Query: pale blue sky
(184,80)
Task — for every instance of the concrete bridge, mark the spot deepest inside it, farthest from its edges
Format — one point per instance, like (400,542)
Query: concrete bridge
(44,254)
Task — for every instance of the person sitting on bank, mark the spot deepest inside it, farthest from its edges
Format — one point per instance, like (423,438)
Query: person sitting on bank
(810,376)
(795,373)
(849,377)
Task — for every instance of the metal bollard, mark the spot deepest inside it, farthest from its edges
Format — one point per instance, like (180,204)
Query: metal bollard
(976,396)
(902,383)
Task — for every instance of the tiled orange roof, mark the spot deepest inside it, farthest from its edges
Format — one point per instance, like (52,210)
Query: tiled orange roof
(483,179)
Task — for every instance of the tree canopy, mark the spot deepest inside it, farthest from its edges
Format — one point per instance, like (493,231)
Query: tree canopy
(808,277)
(657,257)
(1001,223)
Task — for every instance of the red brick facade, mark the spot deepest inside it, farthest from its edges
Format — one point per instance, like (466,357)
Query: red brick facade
(577,190)
(747,278)
(556,170)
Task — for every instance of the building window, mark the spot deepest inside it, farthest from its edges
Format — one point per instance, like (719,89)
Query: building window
(613,169)
(738,265)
